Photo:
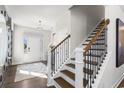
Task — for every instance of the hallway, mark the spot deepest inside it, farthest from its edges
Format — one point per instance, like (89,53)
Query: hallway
(23,79)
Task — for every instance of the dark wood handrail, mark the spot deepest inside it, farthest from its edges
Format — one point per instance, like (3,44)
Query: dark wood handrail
(61,42)
(106,22)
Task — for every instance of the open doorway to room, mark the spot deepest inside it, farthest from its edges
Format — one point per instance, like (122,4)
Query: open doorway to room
(33,47)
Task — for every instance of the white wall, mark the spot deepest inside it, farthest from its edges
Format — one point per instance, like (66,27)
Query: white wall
(2,7)
(83,19)
(18,48)
(62,28)
(112,74)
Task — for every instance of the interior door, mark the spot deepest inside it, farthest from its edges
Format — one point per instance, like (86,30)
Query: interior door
(34,51)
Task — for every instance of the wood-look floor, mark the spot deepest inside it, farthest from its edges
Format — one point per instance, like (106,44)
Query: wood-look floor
(36,82)
(29,83)
(121,85)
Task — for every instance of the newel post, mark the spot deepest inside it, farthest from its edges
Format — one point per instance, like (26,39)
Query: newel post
(79,67)
(49,80)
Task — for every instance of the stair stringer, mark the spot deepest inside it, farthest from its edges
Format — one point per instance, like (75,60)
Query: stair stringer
(101,71)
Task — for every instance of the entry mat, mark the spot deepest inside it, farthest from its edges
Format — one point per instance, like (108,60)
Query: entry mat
(30,71)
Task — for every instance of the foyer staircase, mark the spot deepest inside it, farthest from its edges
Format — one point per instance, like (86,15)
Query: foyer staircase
(94,53)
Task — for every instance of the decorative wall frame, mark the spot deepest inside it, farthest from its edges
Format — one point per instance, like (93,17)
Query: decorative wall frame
(119,42)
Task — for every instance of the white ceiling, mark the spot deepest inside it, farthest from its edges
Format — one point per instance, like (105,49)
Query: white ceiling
(29,15)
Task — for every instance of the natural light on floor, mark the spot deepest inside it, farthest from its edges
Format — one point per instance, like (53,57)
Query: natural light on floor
(33,73)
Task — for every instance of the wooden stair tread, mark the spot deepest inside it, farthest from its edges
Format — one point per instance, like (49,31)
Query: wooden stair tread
(96,30)
(98,49)
(94,44)
(71,65)
(97,39)
(93,55)
(100,26)
(90,62)
(103,22)
(63,83)
(87,71)
(91,36)
(94,33)
(100,39)
(69,74)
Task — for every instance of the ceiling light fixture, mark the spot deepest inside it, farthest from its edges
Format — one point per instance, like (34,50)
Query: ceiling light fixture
(40,26)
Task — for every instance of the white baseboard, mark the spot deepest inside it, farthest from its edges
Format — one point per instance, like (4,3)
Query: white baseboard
(20,63)
(118,81)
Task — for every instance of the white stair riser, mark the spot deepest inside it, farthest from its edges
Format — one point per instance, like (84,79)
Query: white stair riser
(69,69)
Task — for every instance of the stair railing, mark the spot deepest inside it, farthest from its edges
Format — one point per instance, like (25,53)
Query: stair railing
(95,43)
(91,31)
(60,54)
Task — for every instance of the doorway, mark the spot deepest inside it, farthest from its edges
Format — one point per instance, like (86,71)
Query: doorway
(34,47)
